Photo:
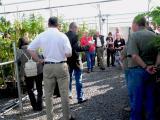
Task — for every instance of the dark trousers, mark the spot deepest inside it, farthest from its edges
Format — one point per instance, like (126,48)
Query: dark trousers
(110,54)
(36,102)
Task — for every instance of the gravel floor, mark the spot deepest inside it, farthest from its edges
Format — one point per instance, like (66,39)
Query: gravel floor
(106,93)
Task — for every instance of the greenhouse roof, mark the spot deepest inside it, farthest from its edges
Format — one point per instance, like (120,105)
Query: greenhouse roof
(108,7)
(77,9)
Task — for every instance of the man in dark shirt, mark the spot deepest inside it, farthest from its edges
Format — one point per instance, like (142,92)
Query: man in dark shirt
(74,62)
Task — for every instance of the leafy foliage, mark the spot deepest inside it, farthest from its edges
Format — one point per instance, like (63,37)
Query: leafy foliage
(82,28)
(6,54)
(17,26)
(92,32)
(156,42)
(5,25)
(155,15)
(33,25)
(63,26)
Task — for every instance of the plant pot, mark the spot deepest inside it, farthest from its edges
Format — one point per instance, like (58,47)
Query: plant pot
(9,90)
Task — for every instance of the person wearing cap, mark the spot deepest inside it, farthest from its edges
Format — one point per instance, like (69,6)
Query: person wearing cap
(141,60)
(56,48)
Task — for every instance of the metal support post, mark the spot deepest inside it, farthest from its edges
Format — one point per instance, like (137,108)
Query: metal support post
(50,9)
(17,78)
(149,1)
(107,23)
(100,19)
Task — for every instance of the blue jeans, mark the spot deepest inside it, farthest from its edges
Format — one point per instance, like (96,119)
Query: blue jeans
(117,58)
(141,86)
(90,60)
(78,77)
(126,76)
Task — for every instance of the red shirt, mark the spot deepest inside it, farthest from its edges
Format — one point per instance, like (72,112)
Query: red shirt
(85,41)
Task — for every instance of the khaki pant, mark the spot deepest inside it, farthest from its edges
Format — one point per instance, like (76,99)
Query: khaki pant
(59,73)
(100,51)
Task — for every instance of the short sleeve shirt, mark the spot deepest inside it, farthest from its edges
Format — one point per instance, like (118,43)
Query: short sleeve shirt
(140,43)
(119,43)
(54,44)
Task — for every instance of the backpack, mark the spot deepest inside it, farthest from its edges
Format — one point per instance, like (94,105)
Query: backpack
(30,67)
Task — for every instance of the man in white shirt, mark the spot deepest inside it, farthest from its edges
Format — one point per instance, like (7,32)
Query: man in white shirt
(56,48)
(100,44)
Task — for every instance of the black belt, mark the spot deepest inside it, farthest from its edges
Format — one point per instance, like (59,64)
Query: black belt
(135,67)
(99,47)
(129,56)
(54,62)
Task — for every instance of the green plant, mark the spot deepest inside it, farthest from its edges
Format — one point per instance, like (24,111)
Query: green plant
(6,54)
(5,25)
(155,15)
(36,25)
(156,42)
(92,32)
(17,26)
(33,25)
(82,28)
(63,26)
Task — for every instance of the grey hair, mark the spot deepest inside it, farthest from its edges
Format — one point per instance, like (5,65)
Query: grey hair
(72,25)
